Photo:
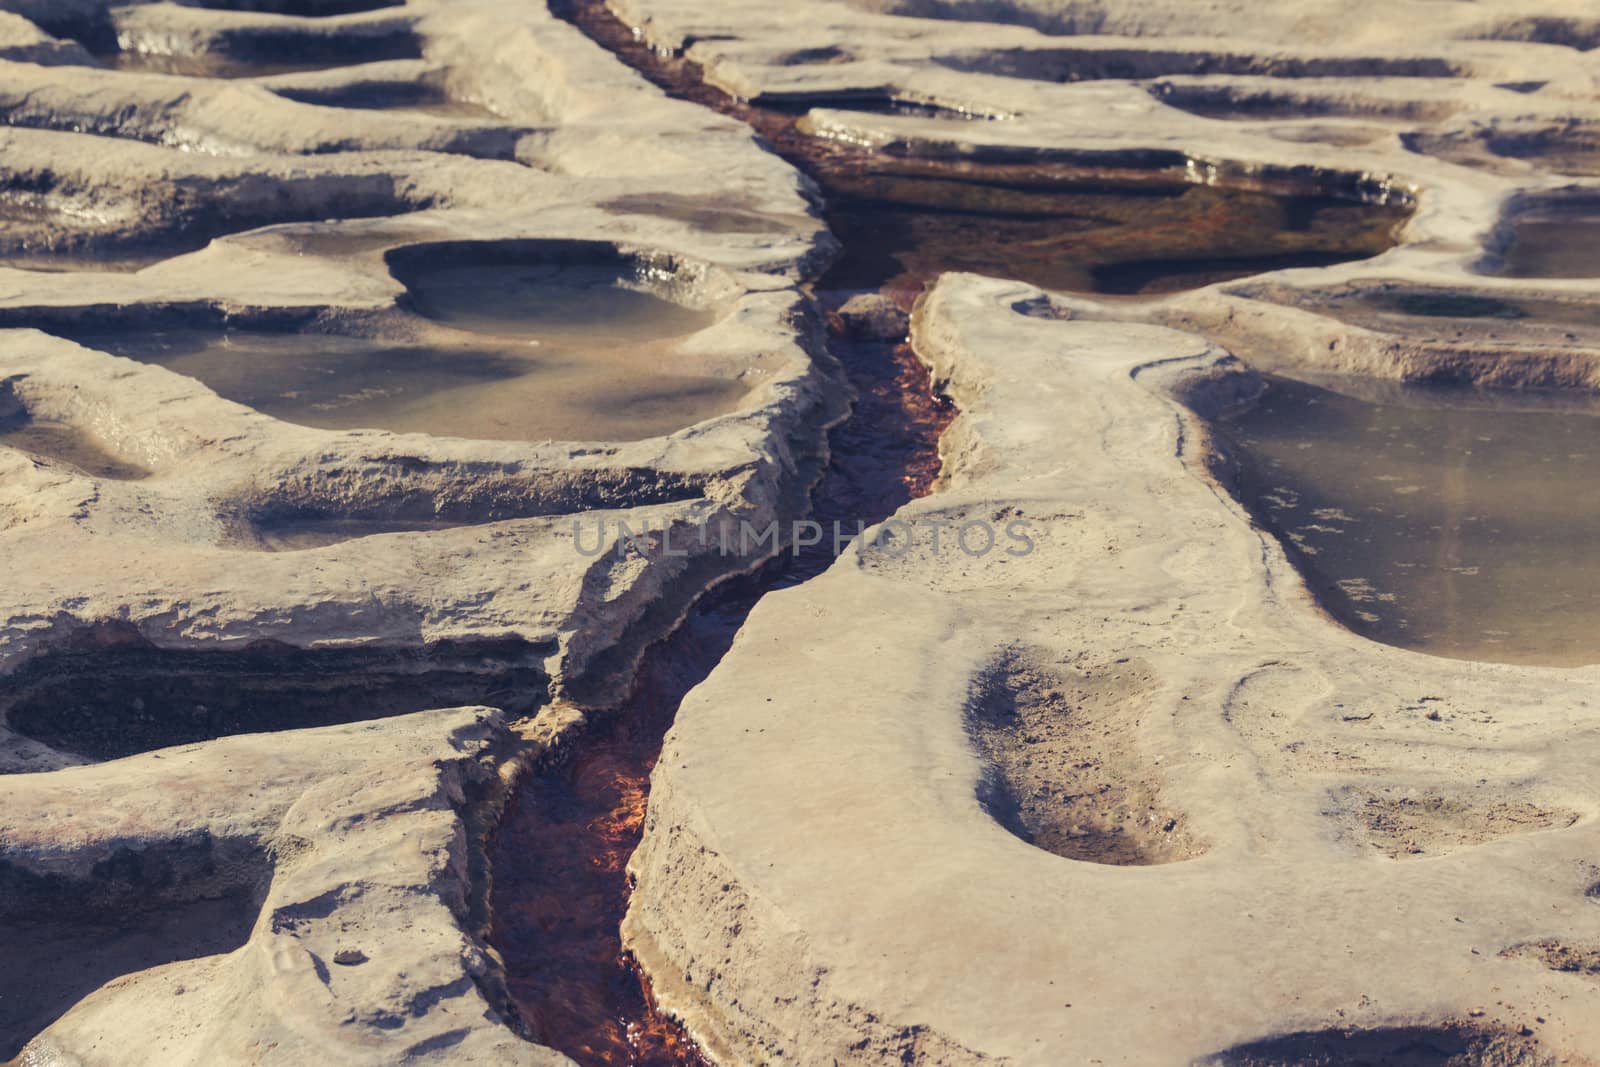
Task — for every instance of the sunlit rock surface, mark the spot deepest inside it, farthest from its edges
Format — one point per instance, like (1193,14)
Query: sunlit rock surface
(1129,796)
(225,284)
(1134,796)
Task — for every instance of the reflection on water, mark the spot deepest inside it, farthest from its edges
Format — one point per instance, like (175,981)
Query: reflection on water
(904,222)
(587,302)
(36,235)
(554,353)
(1451,522)
(1119,229)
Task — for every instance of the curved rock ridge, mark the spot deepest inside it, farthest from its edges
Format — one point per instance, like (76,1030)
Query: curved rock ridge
(184,568)
(1480,113)
(1370,837)
(1256,838)
(352,877)
(154,509)
(871,908)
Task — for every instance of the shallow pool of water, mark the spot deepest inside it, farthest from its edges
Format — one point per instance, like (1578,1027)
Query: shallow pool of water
(1454,522)
(592,303)
(904,222)
(1555,245)
(529,390)
(1455,317)
(35,235)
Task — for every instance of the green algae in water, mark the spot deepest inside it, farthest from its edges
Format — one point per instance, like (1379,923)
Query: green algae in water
(1453,522)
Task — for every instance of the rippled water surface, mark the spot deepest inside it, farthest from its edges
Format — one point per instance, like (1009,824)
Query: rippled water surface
(1454,522)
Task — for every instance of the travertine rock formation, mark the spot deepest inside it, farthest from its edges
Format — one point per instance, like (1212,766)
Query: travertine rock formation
(1129,797)
(181,567)
(1274,842)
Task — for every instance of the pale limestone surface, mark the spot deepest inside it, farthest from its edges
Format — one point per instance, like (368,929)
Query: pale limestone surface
(820,879)
(1372,838)
(343,840)
(824,779)
(363,838)
(1449,104)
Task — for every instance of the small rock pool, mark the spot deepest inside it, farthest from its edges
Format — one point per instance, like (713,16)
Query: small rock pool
(1452,521)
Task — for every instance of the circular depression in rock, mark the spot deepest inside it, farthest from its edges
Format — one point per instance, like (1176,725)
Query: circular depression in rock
(599,329)
(548,291)
(1400,1046)
(66,444)
(518,342)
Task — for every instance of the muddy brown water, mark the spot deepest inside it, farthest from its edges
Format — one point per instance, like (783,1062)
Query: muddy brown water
(560,886)
(904,218)
(908,220)
(532,353)
(559,860)
(1450,521)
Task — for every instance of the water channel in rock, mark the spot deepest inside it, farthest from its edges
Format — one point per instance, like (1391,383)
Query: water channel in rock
(559,860)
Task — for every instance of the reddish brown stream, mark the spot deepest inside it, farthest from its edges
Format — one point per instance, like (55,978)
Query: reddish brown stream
(560,857)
